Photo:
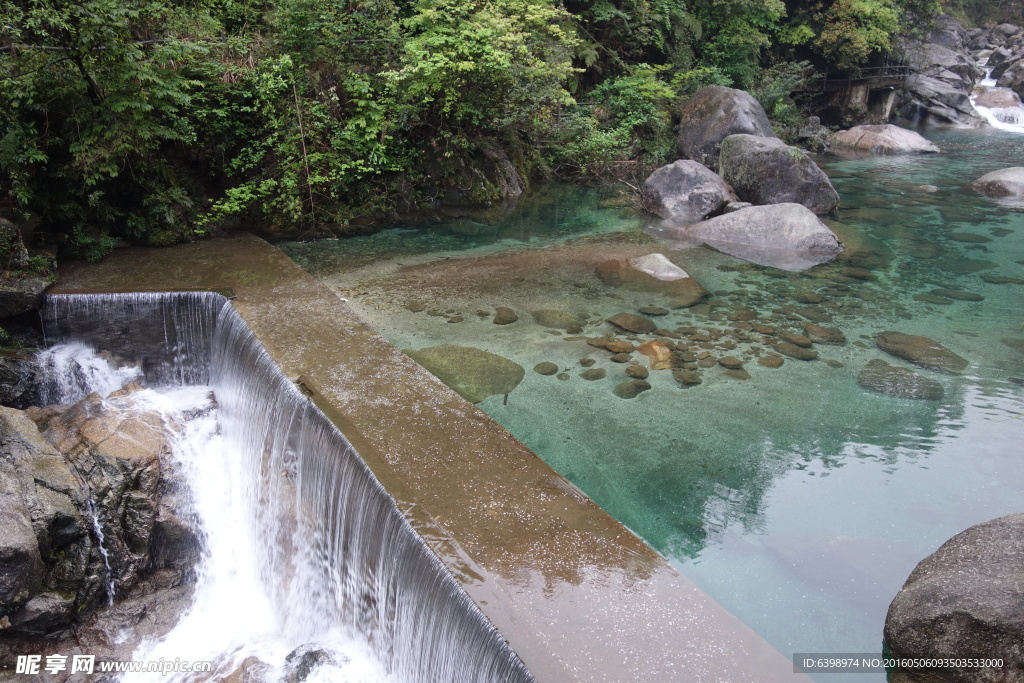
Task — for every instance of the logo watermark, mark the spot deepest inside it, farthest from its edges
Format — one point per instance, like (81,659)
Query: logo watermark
(32,665)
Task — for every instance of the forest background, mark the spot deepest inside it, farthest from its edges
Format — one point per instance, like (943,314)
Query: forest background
(158,121)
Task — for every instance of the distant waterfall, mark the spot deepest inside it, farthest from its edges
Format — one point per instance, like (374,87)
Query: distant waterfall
(332,549)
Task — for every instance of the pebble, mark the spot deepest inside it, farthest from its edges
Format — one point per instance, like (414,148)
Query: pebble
(631,388)
(771,361)
(545,368)
(587,362)
(637,372)
(594,373)
(730,362)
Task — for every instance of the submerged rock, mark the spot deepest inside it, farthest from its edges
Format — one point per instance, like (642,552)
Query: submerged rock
(824,335)
(765,170)
(966,600)
(922,351)
(473,373)
(631,388)
(503,315)
(1007,182)
(880,139)
(559,320)
(898,382)
(713,114)
(632,322)
(545,368)
(686,191)
(787,236)
(659,353)
(656,274)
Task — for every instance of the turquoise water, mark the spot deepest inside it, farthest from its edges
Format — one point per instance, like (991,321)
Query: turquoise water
(795,498)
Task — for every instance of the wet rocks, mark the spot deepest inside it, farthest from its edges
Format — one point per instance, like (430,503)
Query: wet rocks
(824,335)
(473,373)
(545,368)
(778,234)
(503,315)
(686,192)
(796,339)
(771,361)
(637,372)
(730,362)
(712,115)
(966,597)
(898,382)
(594,373)
(630,322)
(20,294)
(794,351)
(921,351)
(631,388)
(880,139)
(1007,182)
(765,170)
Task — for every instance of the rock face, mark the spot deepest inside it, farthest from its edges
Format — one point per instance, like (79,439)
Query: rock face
(713,114)
(656,274)
(938,92)
(473,373)
(686,191)
(966,597)
(781,235)
(883,139)
(94,467)
(765,170)
(921,351)
(1007,182)
(20,295)
(898,382)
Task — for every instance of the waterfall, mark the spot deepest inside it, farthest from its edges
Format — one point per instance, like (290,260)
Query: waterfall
(325,542)
(1009,116)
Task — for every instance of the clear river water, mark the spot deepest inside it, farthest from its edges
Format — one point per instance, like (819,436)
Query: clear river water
(796,498)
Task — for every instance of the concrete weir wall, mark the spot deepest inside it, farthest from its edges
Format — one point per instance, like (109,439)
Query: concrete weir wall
(577,595)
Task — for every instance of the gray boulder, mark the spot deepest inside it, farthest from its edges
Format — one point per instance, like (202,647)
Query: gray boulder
(879,139)
(765,170)
(21,294)
(966,600)
(1013,77)
(1007,182)
(686,191)
(932,102)
(713,114)
(787,236)
(892,380)
(944,73)
(922,351)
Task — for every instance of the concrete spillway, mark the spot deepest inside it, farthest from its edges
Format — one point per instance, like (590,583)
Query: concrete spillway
(466,556)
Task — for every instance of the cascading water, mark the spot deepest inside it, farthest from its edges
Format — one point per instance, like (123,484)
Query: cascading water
(303,546)
(1009,112)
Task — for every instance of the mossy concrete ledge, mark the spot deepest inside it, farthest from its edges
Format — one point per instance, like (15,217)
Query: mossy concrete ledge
(577,595)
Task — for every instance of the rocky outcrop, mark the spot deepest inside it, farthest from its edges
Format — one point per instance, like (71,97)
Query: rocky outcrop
(713,114)
(686,191)
(765,170)
(1007,182)
(966,600)
(938,91)
(18,385)
(787,236)
(21,294)
(656,274)
(84,519)
(892,380)
(473,373)
(879,139)
(921,351)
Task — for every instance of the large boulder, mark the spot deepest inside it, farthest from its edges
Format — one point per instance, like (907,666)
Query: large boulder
(932,102)
(922,351)
(1013,77)
(937,93)
(879,139)
(686,191)
(713,114)
(787,236)
(474,373)
(656,274)
(966,600)
(765,170)
(1007,182)
(21,294)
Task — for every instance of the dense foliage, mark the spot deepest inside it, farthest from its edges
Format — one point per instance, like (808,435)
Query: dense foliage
(161,120)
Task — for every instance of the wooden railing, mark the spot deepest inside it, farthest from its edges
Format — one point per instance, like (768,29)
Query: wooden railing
(891,74)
